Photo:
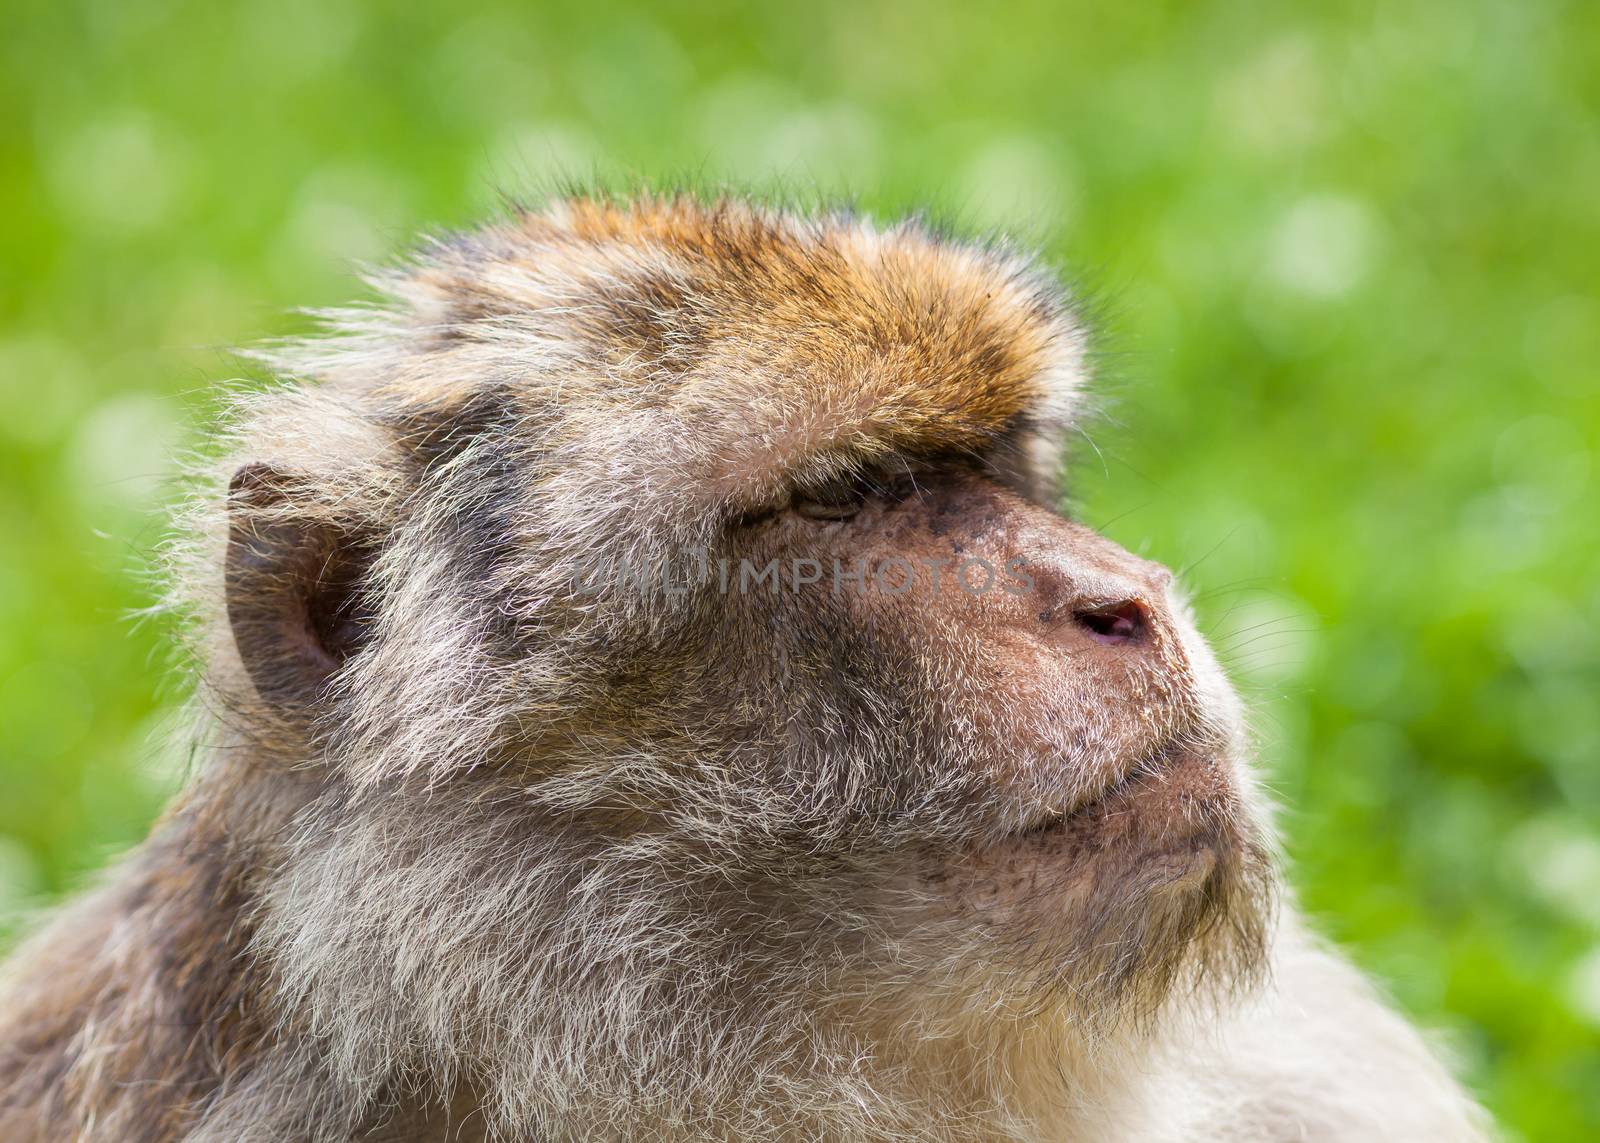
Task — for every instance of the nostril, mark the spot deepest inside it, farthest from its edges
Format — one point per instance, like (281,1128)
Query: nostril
(1122,622)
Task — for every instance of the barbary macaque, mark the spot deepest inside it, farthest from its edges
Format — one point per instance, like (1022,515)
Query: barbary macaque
(647,692)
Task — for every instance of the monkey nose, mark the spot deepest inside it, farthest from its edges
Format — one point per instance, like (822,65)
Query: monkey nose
(1122,621)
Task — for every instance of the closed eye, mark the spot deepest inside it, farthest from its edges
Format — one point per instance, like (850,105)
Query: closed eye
(828,508)
(835,500)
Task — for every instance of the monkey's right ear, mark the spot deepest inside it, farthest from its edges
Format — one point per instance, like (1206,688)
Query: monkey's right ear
(296,589)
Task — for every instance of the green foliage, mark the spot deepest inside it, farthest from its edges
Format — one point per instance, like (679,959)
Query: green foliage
(1344,257)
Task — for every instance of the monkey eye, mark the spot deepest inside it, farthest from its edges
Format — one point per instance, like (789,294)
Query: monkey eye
(838,499)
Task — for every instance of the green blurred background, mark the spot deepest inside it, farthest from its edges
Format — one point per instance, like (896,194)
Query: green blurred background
(1345,258)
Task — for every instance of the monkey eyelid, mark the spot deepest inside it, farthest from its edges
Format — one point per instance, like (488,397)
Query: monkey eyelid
(839,498)
(834,500)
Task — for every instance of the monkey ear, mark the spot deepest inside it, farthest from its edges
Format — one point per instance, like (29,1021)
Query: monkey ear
(295,587)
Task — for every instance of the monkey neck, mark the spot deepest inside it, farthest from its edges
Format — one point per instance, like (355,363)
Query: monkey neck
(141,999)
(170,1018)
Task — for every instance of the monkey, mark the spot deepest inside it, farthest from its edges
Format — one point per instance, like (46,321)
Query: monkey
(648,690)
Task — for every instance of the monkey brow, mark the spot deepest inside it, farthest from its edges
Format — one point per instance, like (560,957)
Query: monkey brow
(896,473)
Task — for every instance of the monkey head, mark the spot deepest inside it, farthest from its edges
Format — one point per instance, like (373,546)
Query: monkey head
(662,616)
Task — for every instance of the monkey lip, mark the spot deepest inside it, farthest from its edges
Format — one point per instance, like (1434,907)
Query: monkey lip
(1164,834)
(1164,815)
(1189,857)
(1169,758)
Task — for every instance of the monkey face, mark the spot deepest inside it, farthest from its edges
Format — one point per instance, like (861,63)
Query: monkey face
(684,575)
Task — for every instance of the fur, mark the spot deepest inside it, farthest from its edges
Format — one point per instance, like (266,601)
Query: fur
(476,854)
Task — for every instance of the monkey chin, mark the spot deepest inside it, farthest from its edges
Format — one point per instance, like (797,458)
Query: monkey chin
(1159,881)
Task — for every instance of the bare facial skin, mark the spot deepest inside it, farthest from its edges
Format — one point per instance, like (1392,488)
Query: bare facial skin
(1097,817)
(646,690)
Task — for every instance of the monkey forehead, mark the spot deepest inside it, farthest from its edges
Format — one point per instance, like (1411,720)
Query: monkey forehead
(715,346)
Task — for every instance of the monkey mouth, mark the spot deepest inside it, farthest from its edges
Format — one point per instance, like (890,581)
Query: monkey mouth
(1158,871)
(1157,874)
(1169,756)
(1186,859)
(1170,816)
